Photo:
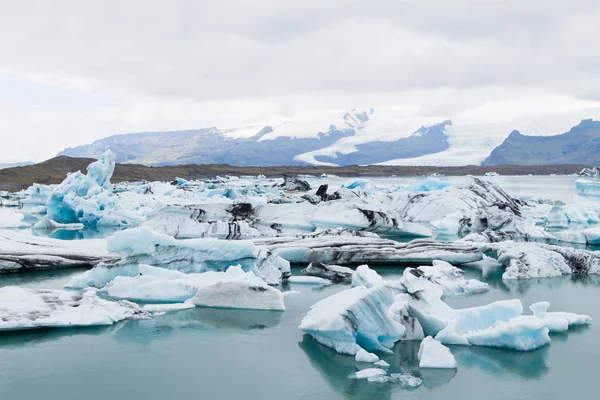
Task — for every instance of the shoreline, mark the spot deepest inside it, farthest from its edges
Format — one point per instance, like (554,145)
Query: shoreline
(56,169)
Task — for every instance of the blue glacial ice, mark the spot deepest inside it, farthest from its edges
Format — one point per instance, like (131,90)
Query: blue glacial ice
(374,318)
(355,319)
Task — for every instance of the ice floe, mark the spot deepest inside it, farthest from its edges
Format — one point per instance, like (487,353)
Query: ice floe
(334,273)
(433,354)
(142,246)
(22,308)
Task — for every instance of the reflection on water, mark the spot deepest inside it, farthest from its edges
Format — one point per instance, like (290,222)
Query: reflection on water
(196,320)
(98,232)
(530,365)
(16,339)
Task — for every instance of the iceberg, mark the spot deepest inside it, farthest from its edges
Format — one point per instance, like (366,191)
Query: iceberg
(348,216)
(588,189)
(238,289)
(433,354)
(555,321)
(365,276)
(355,319)
(495,325)
(358,248)
(536,260)
(142,246)
(88,199)
(309,280)
(443,275)
(20,252)
(186,222)
(22,308)
(233,288)
(369,373)
(366,357)
(334,273)
(404,380)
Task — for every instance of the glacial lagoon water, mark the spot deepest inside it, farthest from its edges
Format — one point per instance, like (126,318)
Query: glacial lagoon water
(233,354)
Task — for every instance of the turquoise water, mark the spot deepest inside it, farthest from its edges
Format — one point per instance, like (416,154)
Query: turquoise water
(230,354)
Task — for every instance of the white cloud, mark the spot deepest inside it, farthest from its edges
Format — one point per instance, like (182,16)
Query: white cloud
(155,65)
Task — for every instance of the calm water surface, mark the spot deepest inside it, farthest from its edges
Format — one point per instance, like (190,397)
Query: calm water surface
(233,354)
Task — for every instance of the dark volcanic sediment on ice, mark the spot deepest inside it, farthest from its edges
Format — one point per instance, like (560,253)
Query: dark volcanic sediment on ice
(55,170)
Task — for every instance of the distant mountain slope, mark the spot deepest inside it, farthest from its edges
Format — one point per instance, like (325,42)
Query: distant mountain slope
(580,145)
(16,164)
(426,140)
(269,146)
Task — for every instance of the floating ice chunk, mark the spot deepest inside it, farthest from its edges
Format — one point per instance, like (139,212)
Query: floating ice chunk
(353,319)
(365,276)
(369,373)
(145,288)
(26,309)
(24,252)
(498,324)
(334,273)
(405,380)
(47,223)
(382,363)
(433,354)
(587,188)
(450,279)
(239,289)
(359,184)
(100,275)
(161,308)
(355,248)
(142,246)
(524,261)
(556,321)
(184,223)
(309,280)
(365,356)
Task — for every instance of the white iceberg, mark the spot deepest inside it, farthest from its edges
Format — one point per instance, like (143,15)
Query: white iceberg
(27,309)
(369,373)
(442,274)
(141,246)
(355,319)
(309,280)
(366,357)
(365,276)
(237,289)
(433,354)
(20,251)
(334,273)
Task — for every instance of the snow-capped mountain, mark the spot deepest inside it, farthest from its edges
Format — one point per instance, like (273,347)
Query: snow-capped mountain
(356,137)
(281,144)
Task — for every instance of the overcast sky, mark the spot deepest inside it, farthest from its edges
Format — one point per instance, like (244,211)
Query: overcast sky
(75,71)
